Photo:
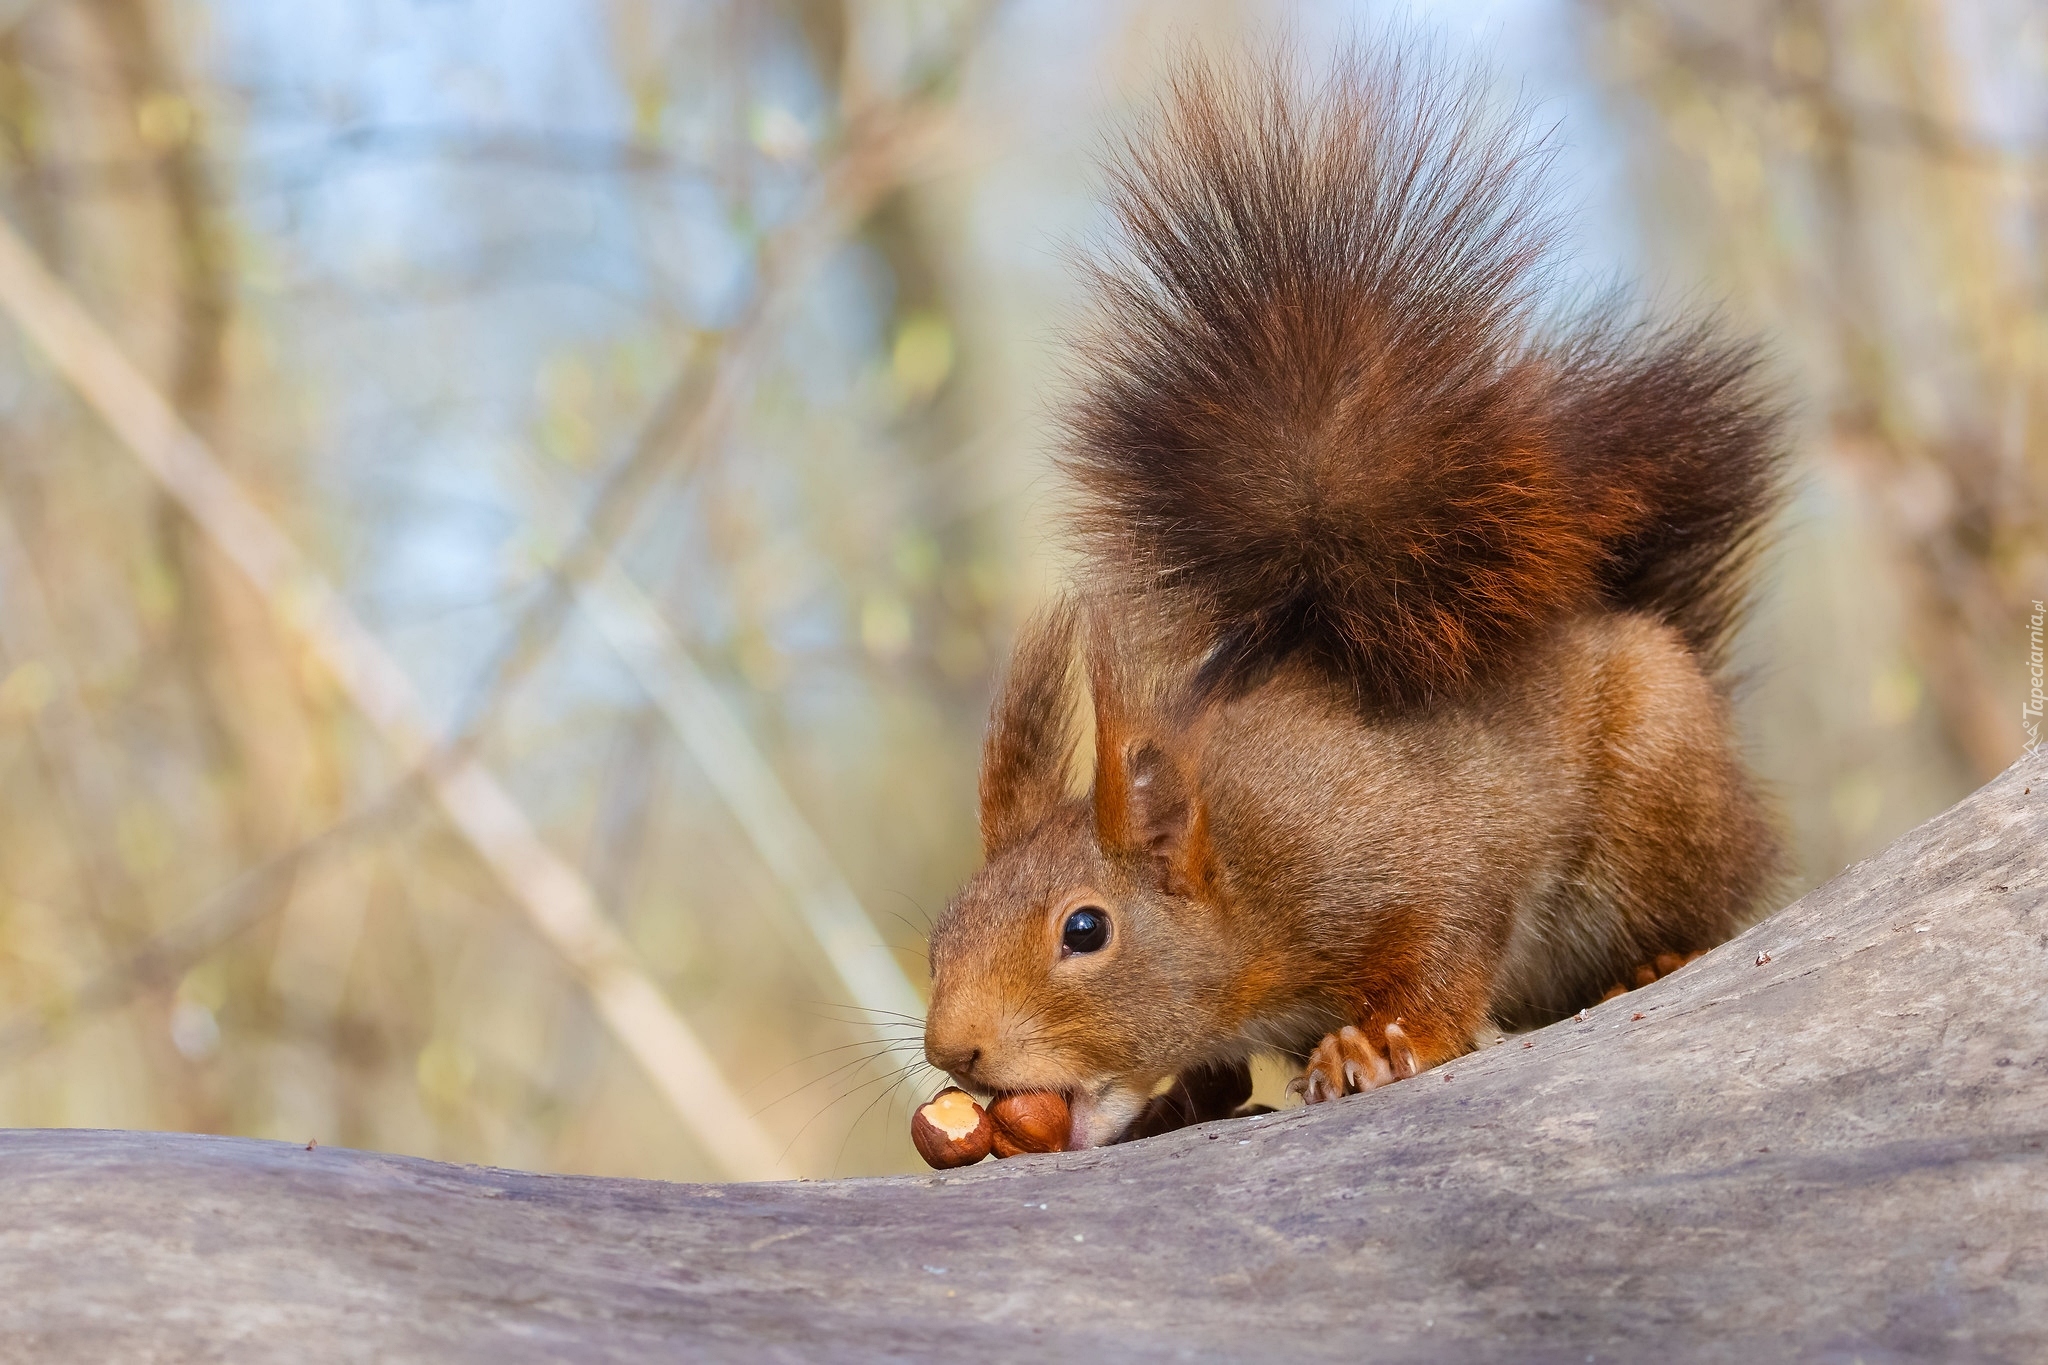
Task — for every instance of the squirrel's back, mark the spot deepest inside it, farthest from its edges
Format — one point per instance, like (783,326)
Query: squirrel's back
(1321,413)
(1543,812)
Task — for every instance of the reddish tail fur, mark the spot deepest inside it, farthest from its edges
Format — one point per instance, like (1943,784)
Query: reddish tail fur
(1319,413)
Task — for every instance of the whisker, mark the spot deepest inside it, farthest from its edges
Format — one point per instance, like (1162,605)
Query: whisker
(865,1010)
(822,1110)
(886,1092)
(870,1011)
(760,1081)
(848,1093)
(875,1054)
(876,1021)
(922,913)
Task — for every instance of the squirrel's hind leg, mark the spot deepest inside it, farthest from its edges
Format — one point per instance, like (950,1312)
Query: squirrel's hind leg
(1650,972)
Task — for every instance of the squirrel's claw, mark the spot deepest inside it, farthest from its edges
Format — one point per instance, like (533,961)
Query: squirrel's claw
(1401,1053)
(1350,1062)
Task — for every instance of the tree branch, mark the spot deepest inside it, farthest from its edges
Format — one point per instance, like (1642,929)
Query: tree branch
(1822,1141)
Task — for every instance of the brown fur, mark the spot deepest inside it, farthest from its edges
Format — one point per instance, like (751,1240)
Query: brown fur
(1024,757)
(1318,409)
(1403,630)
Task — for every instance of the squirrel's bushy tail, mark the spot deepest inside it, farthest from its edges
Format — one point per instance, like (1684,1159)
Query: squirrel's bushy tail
(1319,411)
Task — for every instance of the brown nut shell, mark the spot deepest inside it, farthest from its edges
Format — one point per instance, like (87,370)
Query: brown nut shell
(950,1130)
(1030,1121)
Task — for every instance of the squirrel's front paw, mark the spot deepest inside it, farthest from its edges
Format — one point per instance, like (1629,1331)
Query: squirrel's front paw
(1351,1061)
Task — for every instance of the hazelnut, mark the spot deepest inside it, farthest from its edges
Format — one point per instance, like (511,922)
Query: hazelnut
(950,1129)
(1030,1121)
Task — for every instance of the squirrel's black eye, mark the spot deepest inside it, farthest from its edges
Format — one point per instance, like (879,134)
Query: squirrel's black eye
(1086,931)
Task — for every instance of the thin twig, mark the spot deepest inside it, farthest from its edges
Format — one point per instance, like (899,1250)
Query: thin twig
(634,626)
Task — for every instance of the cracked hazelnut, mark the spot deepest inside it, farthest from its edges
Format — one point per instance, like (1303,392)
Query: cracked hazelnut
(1030,1121)
(950,1129)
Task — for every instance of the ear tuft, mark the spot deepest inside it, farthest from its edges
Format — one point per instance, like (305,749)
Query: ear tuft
(1030,735)
(1147,803)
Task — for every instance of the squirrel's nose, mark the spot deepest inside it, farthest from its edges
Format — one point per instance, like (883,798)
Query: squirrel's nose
(956,1039)
(957,1061)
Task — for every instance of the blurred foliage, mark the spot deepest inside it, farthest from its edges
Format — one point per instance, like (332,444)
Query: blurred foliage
(1867,184)
(756,301)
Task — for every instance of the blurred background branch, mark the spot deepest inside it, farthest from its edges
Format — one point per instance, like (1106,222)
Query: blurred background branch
(1875,190)
(554,895)
(666,389)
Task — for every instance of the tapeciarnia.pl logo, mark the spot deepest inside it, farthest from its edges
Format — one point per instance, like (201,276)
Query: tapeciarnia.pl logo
(2030,713)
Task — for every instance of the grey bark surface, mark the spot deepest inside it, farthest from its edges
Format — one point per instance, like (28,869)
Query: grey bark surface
(1827,1140)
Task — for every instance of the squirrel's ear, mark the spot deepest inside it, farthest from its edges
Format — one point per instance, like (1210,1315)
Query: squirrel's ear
(1146,799)
(1168,819)
(1030,737)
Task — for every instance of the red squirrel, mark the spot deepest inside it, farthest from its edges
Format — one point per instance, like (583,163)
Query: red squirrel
(1402,614)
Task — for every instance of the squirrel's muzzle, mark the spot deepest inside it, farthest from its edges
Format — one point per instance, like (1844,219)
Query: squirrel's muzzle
(954,1041)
